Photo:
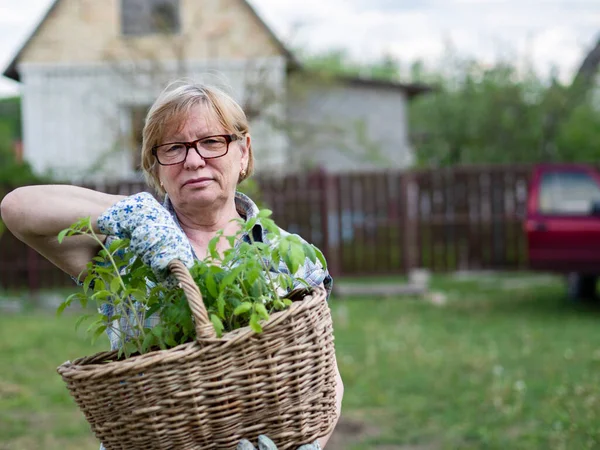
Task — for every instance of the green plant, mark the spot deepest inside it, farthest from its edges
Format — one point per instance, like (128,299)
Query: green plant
(240,286)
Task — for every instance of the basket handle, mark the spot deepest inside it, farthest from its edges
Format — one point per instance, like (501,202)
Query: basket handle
(204,327)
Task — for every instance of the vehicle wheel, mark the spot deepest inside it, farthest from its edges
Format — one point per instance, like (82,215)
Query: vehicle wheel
(581,287)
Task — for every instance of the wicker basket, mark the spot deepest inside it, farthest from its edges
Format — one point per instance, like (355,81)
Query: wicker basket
(211,393)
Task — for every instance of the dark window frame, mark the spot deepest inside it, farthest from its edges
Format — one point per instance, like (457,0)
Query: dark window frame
(140,17)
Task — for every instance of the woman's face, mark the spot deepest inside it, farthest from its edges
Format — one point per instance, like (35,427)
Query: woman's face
(198,182)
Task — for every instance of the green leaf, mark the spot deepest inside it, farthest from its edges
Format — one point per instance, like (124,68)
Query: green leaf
(137,294)
(172,342)
(66,303)
(261,310)
(297,257)
(321,258)
(158,331)
(129,348)
(283,248)
(221,305)
(212,248)
(99,331)
(101,295)
(147,342)
(99,285)
(81,319)
(254,325)
(211,285)
(62,235)
(86,283)
(275,257)
(115,285)
(217,324)
(270,226)
(264,213)
(230,277)
(250,224)
(309,251)
(62,308)
(115,245)
(243,308)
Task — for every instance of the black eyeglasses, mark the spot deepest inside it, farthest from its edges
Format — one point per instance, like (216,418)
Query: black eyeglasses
(209,147)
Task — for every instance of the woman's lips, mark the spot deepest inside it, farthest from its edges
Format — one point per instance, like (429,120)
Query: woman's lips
(198,182)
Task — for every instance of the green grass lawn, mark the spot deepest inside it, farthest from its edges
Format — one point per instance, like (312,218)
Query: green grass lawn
(504,362)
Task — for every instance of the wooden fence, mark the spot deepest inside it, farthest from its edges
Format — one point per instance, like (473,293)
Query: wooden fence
(463,218)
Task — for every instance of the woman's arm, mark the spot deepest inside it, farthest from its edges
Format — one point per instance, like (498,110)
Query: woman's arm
(36,214)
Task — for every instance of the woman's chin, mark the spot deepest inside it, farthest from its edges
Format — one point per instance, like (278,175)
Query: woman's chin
(200,195)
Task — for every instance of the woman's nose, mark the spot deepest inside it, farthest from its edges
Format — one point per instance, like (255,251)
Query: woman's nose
(193,160)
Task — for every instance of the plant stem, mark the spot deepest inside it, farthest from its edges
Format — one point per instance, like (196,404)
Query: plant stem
(128,304)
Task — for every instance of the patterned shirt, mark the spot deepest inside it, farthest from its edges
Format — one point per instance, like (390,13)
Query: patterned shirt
(313,273)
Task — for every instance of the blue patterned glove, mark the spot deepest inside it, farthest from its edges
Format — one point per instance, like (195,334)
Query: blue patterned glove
(264,443)
(154,236)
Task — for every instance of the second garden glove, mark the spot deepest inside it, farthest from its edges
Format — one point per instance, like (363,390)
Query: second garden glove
(264,443)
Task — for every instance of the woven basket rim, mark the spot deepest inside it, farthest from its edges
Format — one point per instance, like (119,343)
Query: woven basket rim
(111,364)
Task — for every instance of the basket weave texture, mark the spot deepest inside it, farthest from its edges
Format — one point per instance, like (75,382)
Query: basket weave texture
(210,393)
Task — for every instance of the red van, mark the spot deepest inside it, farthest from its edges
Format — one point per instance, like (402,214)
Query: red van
(563,224)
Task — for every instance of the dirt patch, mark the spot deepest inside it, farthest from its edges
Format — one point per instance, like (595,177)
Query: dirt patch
(348,432)
(353,431)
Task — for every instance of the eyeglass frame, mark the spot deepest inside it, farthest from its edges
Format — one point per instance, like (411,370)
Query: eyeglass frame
(194,144)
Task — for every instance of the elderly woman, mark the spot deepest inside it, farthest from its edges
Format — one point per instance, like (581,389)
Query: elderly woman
(196,150)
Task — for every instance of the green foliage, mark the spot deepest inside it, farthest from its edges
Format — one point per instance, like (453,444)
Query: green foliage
(497,114)
(338,62)
(239,286)
(10,116)
(12,172)
(579,135)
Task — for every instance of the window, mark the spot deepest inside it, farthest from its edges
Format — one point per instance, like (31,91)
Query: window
(568,193)
(142,17)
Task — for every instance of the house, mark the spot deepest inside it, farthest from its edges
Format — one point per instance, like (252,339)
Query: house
(91,69)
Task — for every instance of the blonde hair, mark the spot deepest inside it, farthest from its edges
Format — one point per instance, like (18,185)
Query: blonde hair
(169,111)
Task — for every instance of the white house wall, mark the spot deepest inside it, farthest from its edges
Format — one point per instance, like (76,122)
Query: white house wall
(350,110)
(74,114)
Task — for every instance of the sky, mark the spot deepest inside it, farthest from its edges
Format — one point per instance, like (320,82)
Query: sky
(549,33)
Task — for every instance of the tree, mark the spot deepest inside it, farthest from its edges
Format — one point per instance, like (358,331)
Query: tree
(338,62)
(498,114)
(13,173)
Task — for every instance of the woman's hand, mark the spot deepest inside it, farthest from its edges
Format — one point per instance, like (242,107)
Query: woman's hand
(154,235)
(264,443)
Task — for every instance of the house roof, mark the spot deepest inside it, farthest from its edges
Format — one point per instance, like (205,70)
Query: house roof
(410,89)
(293,64)
(12,72)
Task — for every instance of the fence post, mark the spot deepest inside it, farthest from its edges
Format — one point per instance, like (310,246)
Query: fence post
(409,218)
(329,203)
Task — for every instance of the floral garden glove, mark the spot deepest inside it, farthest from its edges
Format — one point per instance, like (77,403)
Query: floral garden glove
(154,236)
(264,443)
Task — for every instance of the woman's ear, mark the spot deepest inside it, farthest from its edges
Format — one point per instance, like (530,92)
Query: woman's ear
(245,149)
